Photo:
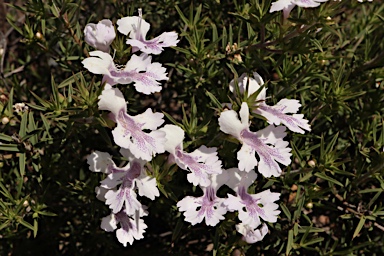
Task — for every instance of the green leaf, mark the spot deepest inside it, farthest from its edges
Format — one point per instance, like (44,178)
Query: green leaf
(10,102)
(290,242)
(325,177)
(173,120)
(313,241)
(214,100)
(9,147)
(182,16)
(359,226)
(25,224)
(177,230)
(5,137)
(5,224)
(286,211)
(35,228)
(55,11)
(22,164)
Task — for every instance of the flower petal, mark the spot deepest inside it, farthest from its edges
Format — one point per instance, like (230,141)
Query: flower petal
(155,45)
(99,162)
(174,138)
(247,158)
(131,228)
(149,120)
(147,186)
(145,82)
(123,196)
(244,114)
(280,5)
(128,134)
(135,26)
(112,99)
(229,123)
(109,223)
(251,235)
(99,64)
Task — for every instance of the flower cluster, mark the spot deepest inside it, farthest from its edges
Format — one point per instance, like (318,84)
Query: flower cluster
(138,136)
(139,70)
(141,138)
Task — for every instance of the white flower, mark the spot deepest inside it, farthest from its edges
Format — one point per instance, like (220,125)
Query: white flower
(251,207)
(132,227)
(125,194)
(100,35)
(277,114)
(288,5)
(129,132)
(201,163)
(267,143)
(137,28)
(252,235)
(209,206)
(138,70)
(130,177)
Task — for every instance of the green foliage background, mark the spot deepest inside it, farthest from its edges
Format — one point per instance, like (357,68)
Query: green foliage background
(330,58)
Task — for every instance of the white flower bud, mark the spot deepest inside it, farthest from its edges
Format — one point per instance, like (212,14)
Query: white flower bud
(100,35)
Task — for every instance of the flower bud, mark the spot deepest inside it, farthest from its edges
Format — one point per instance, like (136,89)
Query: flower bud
(5,120)
(100,35)
(312,163)
(3,98)
(39,35)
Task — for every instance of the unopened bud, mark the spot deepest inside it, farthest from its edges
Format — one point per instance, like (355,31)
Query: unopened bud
(3,98)
(26,203)
(38,35)
(100,35)
(5,120)
(309,205)
(311,163)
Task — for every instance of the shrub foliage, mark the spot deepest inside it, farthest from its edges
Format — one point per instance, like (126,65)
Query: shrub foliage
(330,58)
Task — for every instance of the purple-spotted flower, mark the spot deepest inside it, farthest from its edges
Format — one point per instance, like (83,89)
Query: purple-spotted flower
(288,5)
(137,28)
(131,177)
(252,235)
(201,163)
(138,70)
(209,206)
(100,35)
(251,207)
(277,114)
(132,227)
(268,143)
(129,132)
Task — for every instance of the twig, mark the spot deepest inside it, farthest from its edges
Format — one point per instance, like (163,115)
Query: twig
(74,36)
(357,214)
(3,48)
(17,70)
